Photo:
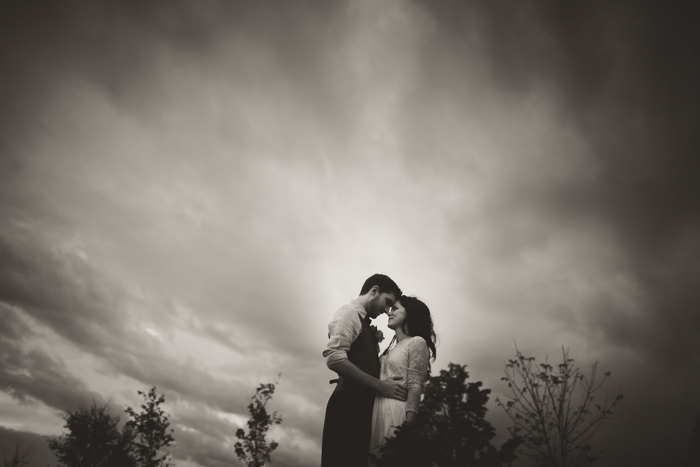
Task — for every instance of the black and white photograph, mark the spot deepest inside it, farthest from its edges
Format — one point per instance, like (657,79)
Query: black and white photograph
(349,233)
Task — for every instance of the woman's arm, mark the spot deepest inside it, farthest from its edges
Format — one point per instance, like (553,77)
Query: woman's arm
(411,416)
(418,361)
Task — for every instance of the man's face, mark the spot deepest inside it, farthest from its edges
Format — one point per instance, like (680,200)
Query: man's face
(381,303)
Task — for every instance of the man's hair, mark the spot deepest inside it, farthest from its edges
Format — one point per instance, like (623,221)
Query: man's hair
(385,284)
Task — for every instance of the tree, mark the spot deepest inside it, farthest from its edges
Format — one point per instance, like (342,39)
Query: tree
(554,409)
(93,440)
(150,427)
(254,450)
(450,429)
(19,458)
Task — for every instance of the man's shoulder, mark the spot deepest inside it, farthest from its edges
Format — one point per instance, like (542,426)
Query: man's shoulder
(348,311)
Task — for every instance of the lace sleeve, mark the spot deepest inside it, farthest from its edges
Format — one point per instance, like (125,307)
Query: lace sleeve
(418,357)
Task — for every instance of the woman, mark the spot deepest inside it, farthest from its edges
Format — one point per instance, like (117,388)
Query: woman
(407,356)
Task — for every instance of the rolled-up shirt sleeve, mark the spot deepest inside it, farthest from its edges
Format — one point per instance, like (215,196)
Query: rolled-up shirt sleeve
(342,332)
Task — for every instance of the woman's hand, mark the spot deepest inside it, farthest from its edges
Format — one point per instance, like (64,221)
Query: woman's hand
(411,417)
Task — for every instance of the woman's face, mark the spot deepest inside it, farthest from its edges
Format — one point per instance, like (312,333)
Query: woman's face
(397,315)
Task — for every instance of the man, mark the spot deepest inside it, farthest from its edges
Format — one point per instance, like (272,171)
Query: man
(352,353)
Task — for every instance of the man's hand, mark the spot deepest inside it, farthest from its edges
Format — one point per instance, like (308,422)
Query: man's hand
(392,389)
(389,387)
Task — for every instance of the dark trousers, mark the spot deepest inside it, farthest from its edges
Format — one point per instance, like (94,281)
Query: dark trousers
(347,429)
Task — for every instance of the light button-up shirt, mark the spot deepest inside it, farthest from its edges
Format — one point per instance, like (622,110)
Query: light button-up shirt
(343,330)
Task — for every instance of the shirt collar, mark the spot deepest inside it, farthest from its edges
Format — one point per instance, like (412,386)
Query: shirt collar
(360,309)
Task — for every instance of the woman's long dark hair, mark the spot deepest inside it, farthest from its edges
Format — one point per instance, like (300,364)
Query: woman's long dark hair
(418,322)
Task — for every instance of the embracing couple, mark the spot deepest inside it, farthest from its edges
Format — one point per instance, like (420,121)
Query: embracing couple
(374,394)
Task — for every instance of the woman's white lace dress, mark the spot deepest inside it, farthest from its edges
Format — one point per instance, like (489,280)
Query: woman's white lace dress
(409,359)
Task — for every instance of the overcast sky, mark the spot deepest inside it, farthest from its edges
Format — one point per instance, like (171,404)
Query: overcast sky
(189,190)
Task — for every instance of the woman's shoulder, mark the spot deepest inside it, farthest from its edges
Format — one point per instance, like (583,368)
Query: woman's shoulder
(417,343)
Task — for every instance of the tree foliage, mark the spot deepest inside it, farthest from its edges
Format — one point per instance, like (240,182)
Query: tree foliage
(253,448)
(450,429)
(555,410)
(93,437)
(93,440)
(150,427)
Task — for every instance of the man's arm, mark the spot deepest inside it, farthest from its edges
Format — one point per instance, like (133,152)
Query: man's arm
(342,332)
(390,387)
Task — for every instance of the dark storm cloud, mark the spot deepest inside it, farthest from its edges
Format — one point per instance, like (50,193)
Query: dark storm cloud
(14,328)
(129,54)
(130,50)
(26,374)
(57,289)
(115,45)
(631,76)
(64,293)
(39,376)
(626,75)
(463,84)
